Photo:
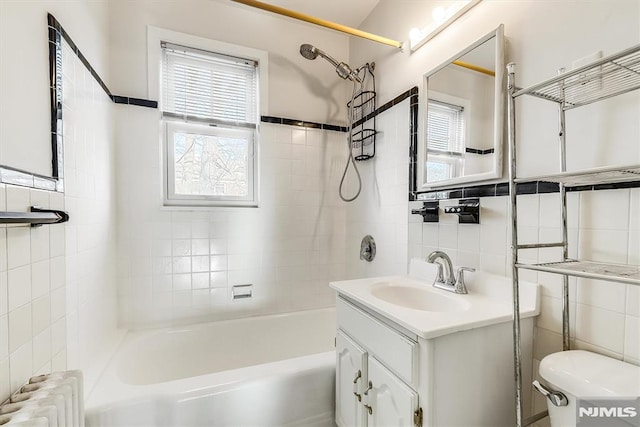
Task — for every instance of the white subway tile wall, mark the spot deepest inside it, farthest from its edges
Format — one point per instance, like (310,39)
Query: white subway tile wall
(57,282)
(84,312)
(179,265)
(27,265)
(381,208)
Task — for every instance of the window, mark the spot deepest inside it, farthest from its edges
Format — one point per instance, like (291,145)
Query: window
(209,105)
(445,140)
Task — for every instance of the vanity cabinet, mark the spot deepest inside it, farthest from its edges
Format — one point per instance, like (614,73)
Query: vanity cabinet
(388,375)
(368,393)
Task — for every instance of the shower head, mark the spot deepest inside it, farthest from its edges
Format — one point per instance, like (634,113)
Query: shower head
(308,51)
(344,71)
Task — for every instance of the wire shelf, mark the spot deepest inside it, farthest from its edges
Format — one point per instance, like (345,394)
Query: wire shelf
(605,78)
(604,175)
(622,273)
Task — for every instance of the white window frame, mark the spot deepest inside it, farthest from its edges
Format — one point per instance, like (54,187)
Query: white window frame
(171,127)
(457,144)
(422,157)
(155,36)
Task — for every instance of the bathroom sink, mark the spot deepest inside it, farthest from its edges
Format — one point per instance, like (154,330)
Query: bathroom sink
(416,298)
(414,304)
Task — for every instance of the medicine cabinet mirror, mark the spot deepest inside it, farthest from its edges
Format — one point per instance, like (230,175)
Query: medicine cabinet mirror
(462,117)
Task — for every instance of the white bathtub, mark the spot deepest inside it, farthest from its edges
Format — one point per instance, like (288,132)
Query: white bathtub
(264,371)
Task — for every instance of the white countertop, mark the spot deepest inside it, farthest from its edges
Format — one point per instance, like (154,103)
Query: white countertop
(488,301)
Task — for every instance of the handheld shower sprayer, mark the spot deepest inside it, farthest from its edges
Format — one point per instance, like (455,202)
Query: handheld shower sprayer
(344,71)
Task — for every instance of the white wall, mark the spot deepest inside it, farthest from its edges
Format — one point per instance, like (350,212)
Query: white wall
(25,129)
(298,88)
(541,37)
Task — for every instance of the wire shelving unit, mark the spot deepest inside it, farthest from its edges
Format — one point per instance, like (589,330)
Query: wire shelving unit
(608,77)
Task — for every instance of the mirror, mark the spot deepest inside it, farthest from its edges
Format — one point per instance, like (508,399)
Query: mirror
(462,131)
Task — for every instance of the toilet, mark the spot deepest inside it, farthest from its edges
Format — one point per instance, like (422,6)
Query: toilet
(577,375)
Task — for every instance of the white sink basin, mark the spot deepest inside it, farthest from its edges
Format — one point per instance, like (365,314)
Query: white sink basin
(413,303)
(416,298)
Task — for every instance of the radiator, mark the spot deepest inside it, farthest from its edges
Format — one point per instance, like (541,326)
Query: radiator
(51,400)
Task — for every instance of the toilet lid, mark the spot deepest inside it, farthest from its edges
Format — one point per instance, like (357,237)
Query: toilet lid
(582,373)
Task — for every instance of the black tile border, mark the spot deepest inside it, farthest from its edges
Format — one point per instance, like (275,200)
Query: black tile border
(477,151)
(302,123)
(411,93)
(55,33)
(413,140)
(502,189)
(134,101)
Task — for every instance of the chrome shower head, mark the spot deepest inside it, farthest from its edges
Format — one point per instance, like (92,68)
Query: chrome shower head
(344,71)
(308,51)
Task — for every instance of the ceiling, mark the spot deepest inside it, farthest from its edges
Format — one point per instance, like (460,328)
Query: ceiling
(346,12)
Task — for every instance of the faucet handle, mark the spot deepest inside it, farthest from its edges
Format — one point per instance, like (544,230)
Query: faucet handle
(461,286)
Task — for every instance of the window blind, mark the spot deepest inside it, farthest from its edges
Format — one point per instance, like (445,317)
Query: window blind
(445,127)
(205,86)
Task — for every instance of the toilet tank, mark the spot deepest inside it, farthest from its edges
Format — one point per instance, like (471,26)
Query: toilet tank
(582,374)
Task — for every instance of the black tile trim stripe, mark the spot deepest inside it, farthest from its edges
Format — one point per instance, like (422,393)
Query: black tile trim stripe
(384,107)
(301,123)
(502,189)
(56,31)
(477,151)
(54,24)
(55,95)
(134,101)
(413,139)
(411,93)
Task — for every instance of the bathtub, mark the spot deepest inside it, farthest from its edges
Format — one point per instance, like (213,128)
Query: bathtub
(273,370)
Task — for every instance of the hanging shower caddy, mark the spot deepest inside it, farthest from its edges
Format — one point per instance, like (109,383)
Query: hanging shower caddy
(362,108)
(605,78)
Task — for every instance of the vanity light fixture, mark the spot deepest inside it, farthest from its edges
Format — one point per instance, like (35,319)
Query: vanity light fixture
(442,18)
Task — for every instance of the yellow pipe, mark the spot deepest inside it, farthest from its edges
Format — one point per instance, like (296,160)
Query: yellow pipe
(474,68)
(323,23)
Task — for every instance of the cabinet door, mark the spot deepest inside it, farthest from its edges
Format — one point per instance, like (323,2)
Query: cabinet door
(351,372)
(392,402)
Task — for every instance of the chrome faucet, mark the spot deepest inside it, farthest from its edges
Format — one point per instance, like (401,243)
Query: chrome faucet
(444,278)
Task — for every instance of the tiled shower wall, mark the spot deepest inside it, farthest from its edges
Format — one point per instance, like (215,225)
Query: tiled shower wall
(90,234)
(57,282)
(381,208)
(32,291)
(179,265)
(603,226)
